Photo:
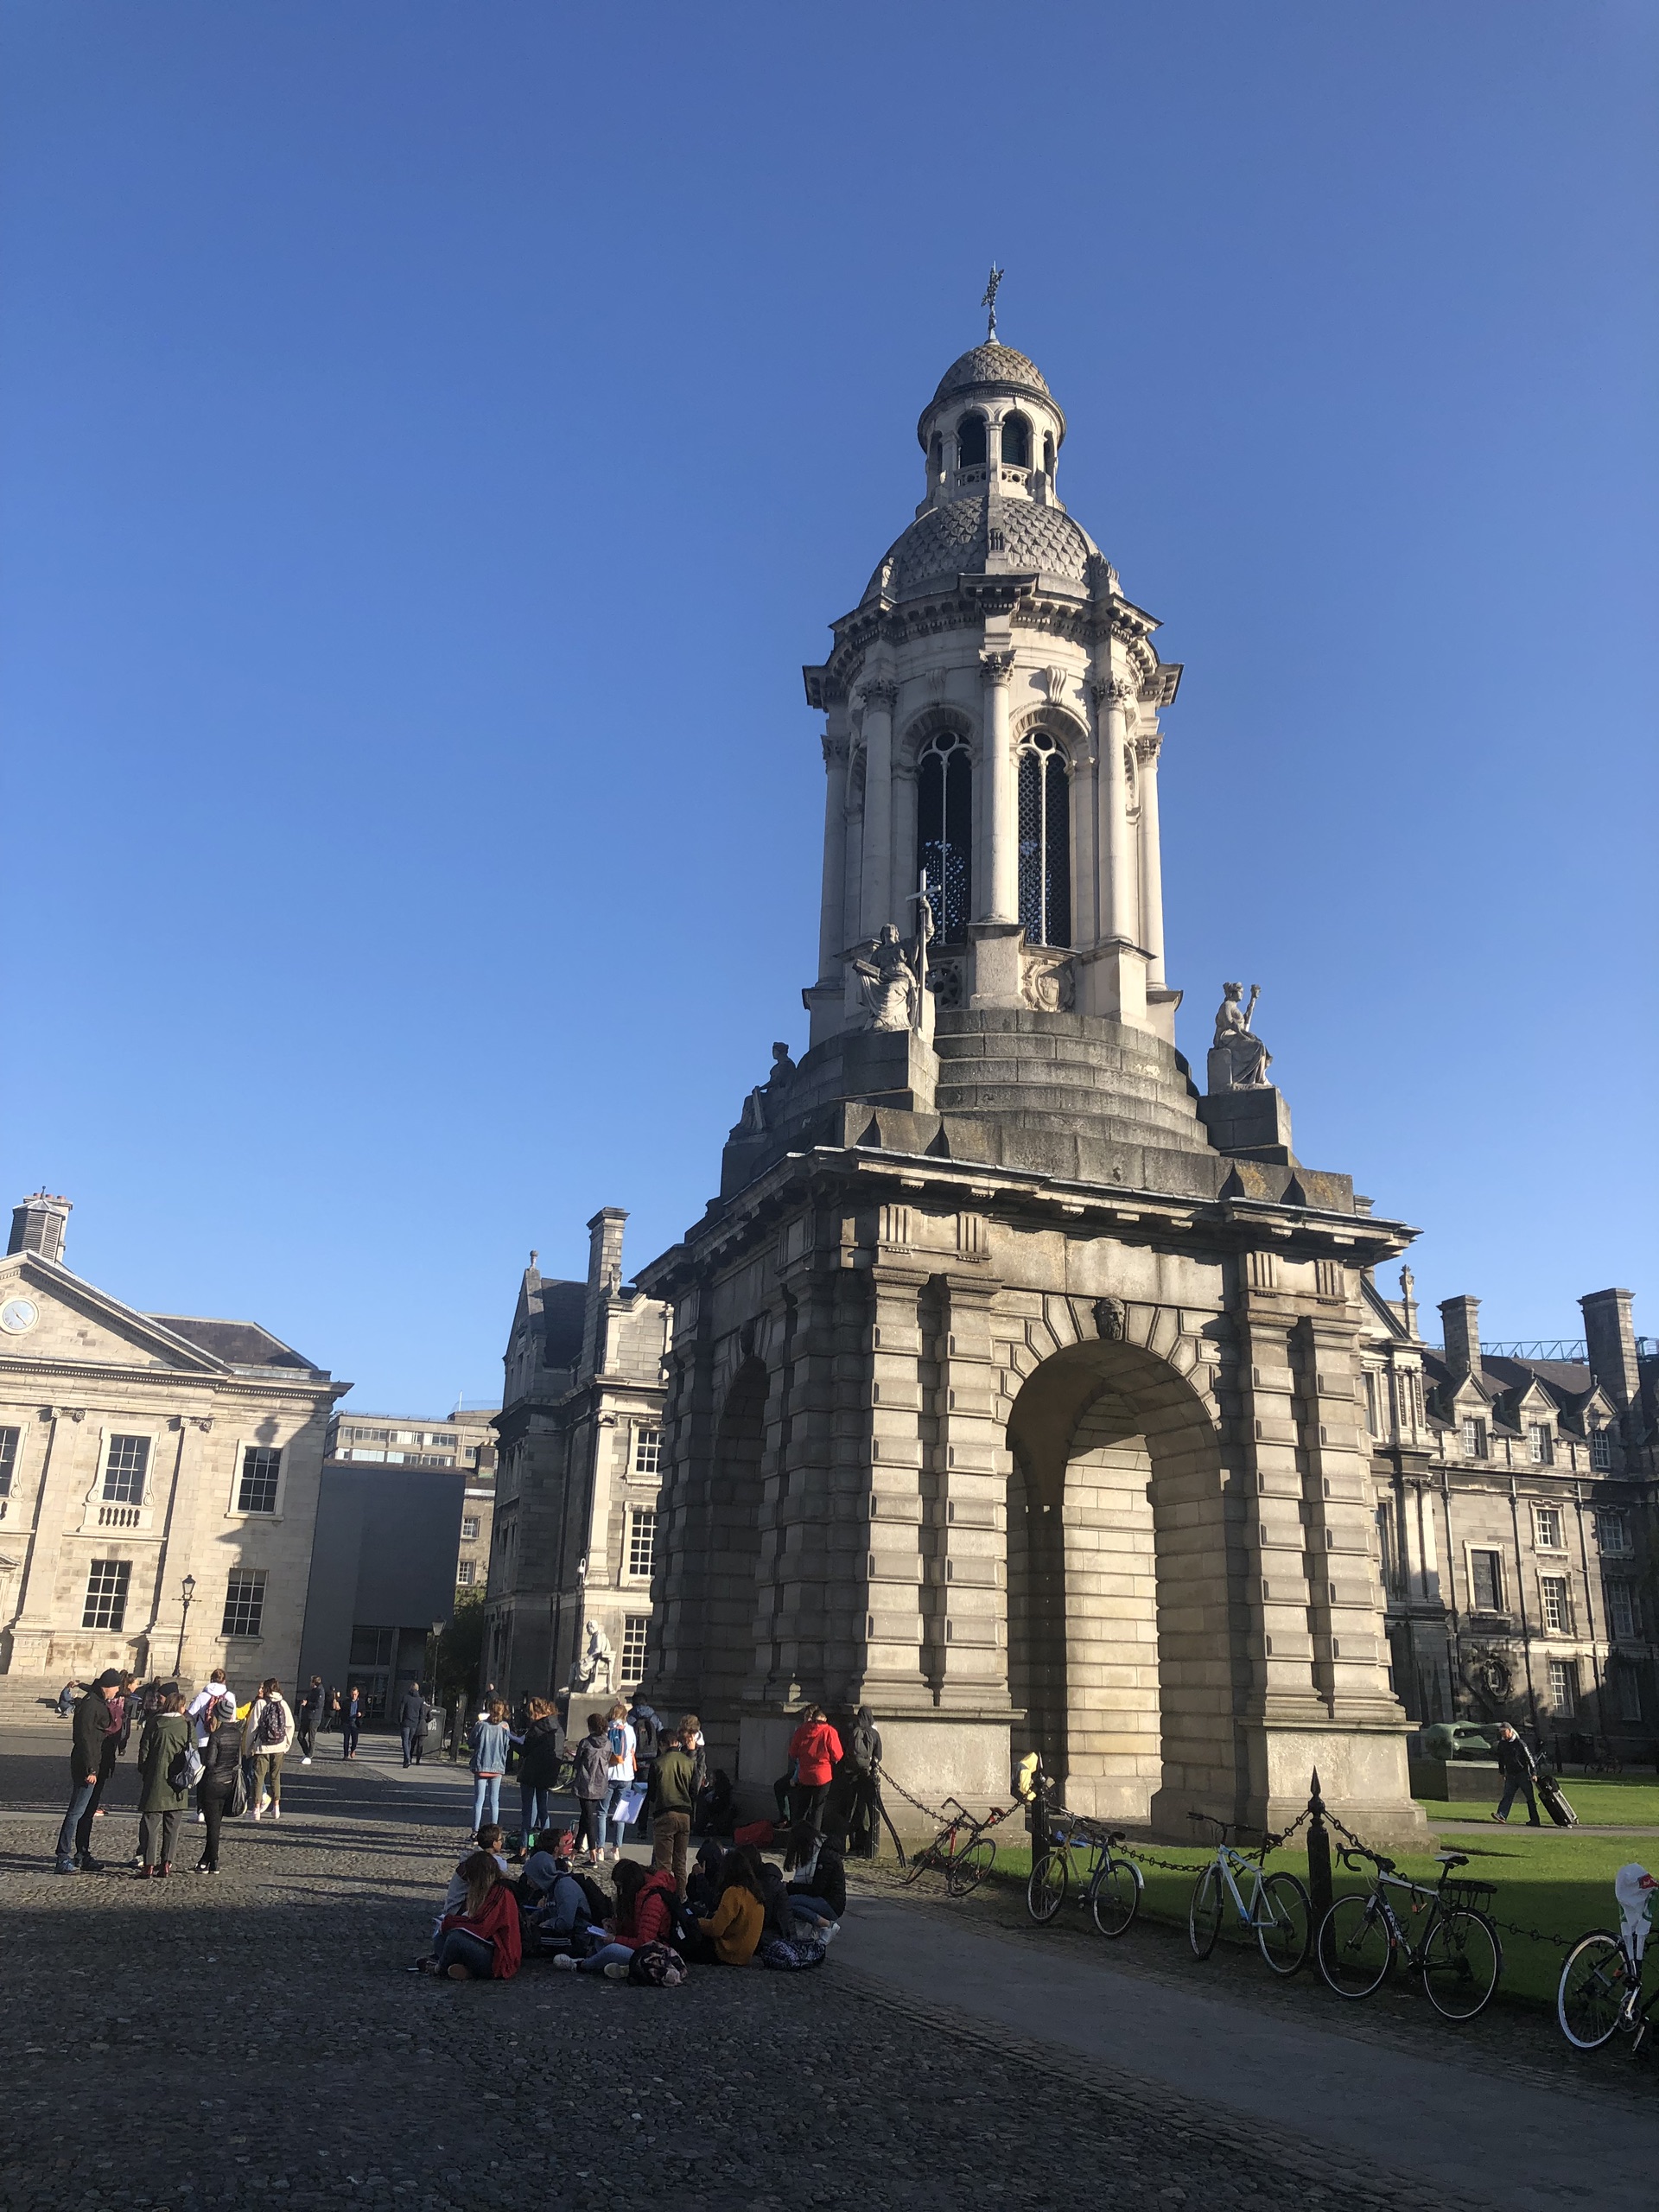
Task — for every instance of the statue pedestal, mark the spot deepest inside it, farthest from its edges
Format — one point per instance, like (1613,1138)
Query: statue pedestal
(1254,1123)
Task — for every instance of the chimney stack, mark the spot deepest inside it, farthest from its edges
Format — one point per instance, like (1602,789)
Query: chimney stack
(38,1225)
(1460,1323)
(604,1280)
(1610,1344)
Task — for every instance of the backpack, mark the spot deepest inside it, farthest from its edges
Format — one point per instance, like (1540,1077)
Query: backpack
(601,1906)
(273,1724)
(657,1966)
(617,1739)
(791,1956)
(184,1771)
(647,1736)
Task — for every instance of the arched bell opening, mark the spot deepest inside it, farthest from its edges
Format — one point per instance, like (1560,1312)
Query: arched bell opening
(1122,1636)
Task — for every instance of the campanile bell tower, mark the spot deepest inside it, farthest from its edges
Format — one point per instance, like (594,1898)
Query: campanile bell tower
(992,728)
(1013,1384)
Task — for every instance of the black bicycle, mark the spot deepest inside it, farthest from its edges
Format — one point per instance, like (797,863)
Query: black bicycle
(961,1851)
(1456,1952)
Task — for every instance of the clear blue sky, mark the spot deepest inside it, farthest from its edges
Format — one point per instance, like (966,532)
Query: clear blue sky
(434,436)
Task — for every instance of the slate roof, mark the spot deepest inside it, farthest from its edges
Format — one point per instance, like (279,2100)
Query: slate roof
(238,1344)
(954,540)
(563,1305)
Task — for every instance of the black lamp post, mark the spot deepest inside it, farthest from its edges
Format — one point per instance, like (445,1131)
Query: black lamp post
(189,1591)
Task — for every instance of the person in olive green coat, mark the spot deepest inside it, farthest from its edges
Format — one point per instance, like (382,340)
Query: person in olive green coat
(162,1792)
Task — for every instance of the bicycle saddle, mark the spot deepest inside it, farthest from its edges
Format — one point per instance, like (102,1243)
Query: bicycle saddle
(1115,1835)
(1450,1859)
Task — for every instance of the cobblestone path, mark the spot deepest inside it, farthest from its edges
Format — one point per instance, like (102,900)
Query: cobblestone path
(254,2040)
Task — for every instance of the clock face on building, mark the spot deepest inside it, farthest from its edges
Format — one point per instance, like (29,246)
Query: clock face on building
(18,1316)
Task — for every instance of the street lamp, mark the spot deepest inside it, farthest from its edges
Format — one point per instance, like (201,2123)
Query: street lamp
(188,1592)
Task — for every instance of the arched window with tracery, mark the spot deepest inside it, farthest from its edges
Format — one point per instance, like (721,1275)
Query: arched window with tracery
(970,442)
(1016,441)
(945,831)
(1044,842)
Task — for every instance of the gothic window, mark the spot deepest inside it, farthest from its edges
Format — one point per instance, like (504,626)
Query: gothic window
(1016,441)
(970,442)
(1044,842)
(944,832)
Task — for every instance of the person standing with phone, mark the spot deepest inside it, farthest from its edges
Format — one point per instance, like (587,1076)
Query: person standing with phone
(621,1744)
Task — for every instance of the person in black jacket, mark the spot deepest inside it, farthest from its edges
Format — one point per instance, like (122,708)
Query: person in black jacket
(221,1764)
(1517,1767)
(540,1755)
(411,1717)
(94,1723)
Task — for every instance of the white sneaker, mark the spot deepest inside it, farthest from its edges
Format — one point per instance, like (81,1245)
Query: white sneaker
(616,1971)
(253,1812)
(565,1963)
(305,1761)
(827,1930)
(275,1812)
(198,1816)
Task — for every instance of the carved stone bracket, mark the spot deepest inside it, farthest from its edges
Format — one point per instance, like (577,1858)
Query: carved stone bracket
(1047,978)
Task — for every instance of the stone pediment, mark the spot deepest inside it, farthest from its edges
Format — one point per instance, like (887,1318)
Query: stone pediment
(73,1325)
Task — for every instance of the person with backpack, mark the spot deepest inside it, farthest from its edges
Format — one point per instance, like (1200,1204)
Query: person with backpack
(267,1734)
(650,1741)
(481,1941)
(591,1781)
(166,1766)
(540,1755)
(221,1776)
(672,1799)
(490,1739)
(619,1772)
(91,1728)
(645,1914)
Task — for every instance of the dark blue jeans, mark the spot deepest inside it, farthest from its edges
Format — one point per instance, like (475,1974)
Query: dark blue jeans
(1516,1785)
(535,1810)
(457,1948)
(80,1798)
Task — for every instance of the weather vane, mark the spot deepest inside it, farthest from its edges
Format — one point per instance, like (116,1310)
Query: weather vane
(989,300)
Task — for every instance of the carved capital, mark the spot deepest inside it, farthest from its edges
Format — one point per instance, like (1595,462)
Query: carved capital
(835,749)
(880,695)
(1148,747)
(996,668)
(1110,692)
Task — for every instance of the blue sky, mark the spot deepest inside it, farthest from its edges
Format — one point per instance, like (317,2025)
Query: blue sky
(433,437)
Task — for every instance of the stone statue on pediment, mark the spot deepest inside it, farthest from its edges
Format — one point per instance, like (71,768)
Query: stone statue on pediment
(593,1670)
(1238,1058)
(889,984)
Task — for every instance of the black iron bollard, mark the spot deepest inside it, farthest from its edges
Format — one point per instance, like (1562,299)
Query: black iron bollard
(1319,1858)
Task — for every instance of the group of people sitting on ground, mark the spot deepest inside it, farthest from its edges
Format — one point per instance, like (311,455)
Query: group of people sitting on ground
(733,1908)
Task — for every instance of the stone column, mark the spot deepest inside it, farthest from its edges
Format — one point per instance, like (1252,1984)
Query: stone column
(1119,917)
(999,889)
(832,933)
(880,699)
(1152,866)
(892,1672)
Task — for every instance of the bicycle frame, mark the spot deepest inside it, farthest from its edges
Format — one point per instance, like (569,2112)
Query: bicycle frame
(1227,1858)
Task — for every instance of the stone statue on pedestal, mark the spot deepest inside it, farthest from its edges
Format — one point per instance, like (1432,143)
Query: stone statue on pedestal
(593,1670)
(763,1107)
(1238,1058)
(890,985)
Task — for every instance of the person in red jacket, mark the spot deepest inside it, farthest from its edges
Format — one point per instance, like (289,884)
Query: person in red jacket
(480,1943)
(814,1755)
(644,1905)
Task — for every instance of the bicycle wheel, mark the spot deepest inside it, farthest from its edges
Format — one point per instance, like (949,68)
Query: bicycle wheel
(1355,1948)
(1046,1891)
(965,1872)
(1115,1897)
(1595,1983)
(1204,1913)
(1461,1962)
(1284,1924)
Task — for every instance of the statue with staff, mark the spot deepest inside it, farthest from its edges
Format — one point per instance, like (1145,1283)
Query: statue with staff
(1238,1055)
(893,976)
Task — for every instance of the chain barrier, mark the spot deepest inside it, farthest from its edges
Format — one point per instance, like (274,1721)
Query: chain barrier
(887,1781)
(1507,1927)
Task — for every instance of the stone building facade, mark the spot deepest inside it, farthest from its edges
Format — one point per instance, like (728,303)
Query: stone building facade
(159,1477)
(577,1479)
(1517,1525)
(1015,1387)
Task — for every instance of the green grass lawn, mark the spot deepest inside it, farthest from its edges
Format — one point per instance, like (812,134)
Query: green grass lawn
(1600,1801)
(1551,1879)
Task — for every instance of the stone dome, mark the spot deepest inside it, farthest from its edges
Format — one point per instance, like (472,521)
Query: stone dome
(992,364)
(954,540)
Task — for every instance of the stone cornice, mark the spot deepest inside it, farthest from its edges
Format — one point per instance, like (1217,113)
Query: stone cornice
(1227,1225)
(178,1382)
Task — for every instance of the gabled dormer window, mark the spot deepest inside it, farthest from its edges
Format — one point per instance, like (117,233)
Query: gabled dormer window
(1477,1445)
(1540,1444)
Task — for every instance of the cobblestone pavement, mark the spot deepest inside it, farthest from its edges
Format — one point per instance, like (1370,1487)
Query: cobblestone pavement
(254,2039)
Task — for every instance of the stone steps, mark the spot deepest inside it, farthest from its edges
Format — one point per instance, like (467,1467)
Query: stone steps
(1085,1082)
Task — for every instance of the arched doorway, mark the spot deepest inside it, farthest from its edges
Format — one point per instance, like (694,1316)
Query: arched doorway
(1126,1640)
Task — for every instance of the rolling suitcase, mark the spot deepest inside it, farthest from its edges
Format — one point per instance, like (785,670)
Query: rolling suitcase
(1555,1803)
